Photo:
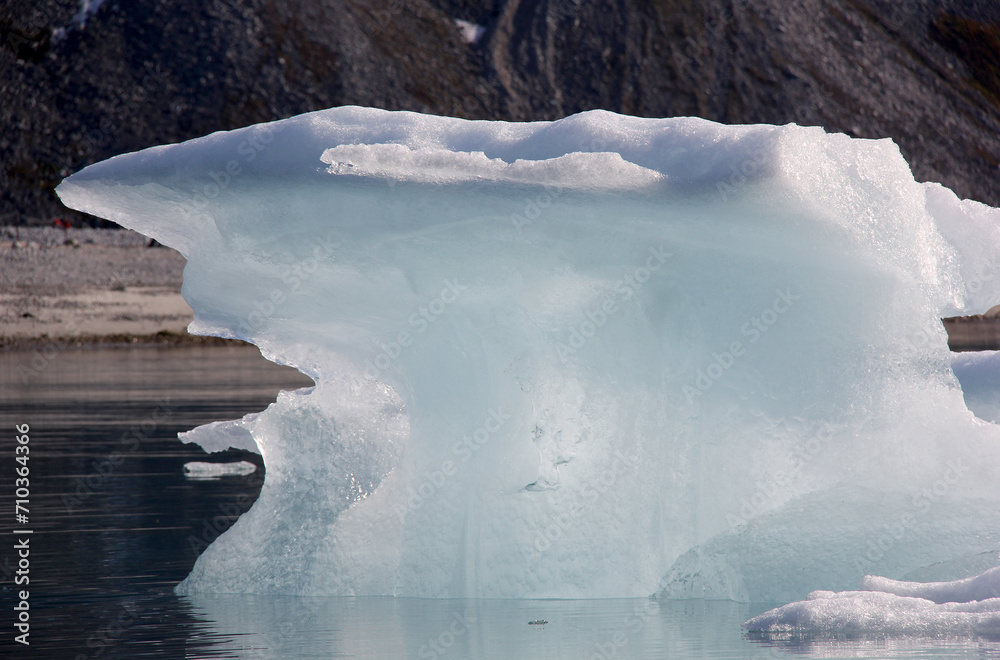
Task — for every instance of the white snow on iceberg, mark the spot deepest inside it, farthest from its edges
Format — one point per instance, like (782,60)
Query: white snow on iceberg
(602,356)
(471,33)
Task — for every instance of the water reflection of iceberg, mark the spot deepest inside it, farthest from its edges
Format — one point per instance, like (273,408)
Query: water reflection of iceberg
(605,356)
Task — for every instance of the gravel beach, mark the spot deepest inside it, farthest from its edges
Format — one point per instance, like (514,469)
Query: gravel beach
(90,286)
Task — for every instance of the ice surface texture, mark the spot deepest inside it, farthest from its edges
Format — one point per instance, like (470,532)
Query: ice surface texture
(603,356)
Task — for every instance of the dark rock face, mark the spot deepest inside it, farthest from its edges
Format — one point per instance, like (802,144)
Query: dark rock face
(141,72)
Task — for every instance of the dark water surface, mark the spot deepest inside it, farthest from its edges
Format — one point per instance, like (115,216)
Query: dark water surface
(116,524)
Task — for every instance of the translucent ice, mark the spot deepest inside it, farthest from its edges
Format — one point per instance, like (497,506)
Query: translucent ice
(603,356)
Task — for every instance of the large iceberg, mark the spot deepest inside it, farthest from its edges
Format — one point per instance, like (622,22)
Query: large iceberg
(597,357)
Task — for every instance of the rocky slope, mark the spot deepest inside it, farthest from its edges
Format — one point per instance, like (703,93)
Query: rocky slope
(84,81)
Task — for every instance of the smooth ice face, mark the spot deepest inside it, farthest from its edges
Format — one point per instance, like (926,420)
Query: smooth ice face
(603,356)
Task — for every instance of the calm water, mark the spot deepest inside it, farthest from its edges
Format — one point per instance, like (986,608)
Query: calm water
(116,525)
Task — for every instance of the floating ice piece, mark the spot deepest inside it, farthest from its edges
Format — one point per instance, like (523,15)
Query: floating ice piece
(602,356)
(868,612)
(884,606)
(202,470)
(220,436)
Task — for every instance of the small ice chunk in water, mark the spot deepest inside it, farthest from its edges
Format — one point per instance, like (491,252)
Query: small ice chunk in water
(201,470)
(961,607)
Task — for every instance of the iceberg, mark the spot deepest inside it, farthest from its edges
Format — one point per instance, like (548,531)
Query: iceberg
(604,356)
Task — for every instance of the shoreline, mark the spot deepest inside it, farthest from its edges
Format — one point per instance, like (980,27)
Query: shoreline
(966,334)
(89,287)
(980,332)
(81,288)
(160,339)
